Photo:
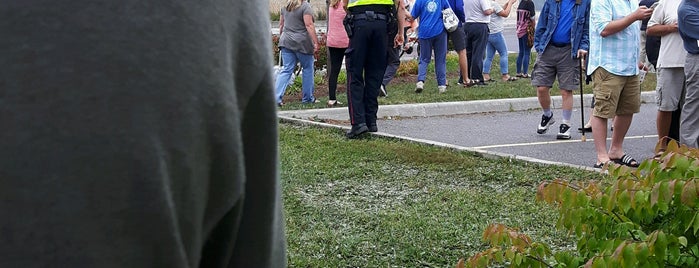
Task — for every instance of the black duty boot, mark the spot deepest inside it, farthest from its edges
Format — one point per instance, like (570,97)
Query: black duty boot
(373,128)
(356,131)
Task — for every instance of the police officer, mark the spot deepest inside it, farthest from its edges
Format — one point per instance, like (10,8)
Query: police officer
(369,23)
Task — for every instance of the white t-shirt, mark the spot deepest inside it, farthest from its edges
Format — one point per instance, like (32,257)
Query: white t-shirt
(672,53)
(497,23)
(474,10)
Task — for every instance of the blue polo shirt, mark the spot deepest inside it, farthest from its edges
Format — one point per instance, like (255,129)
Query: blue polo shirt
(562,33)
(688,22)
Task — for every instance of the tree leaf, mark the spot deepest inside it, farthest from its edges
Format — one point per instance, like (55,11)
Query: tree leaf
(689,193)
(518,259)
(624,201)
(682,240)
(641,252)
(629,259)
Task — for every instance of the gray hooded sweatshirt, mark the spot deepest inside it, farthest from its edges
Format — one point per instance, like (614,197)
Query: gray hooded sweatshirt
(138,134)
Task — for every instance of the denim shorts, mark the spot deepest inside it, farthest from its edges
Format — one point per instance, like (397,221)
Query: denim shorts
(556,62)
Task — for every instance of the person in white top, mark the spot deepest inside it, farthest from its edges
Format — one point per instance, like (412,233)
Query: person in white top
(496,41)
(670,84)
(476,28)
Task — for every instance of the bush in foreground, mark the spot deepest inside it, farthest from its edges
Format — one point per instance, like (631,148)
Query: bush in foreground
(646,217)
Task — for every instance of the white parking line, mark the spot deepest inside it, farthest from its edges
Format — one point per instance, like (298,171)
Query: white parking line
(556,142)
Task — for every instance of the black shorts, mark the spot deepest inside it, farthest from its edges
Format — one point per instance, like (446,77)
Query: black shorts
(458,38)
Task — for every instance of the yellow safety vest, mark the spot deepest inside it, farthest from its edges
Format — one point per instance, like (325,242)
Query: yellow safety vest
(354,3)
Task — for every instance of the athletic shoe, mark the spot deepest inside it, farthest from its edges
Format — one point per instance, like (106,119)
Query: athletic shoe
(546,121)
(563,132)
(419,86)
(382,91)
(442,89)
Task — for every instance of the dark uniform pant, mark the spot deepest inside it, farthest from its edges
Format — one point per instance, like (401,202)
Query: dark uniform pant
(366,63)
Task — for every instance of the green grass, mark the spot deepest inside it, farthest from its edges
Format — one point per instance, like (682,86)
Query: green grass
(401,89)
(380,202)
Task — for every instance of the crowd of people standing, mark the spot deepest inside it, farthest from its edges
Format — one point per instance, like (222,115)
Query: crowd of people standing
(574,39)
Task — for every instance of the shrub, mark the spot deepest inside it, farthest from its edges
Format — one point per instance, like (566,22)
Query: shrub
(274,15)
(646,217)
(407,68)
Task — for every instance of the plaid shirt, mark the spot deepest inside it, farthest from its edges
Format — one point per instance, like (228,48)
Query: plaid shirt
(619,52)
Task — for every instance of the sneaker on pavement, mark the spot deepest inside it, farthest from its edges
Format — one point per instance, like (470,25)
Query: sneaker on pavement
(563,132)
(419,86)
(442,89)
(382,91)
(546,121)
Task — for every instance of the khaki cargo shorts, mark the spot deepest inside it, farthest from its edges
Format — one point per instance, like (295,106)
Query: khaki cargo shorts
(615,94)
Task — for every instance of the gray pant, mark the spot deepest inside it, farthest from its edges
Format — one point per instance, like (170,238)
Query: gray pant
(689,121)
(393,55)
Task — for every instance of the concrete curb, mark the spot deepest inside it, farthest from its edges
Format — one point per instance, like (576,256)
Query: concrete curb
(448,108)
(476,151)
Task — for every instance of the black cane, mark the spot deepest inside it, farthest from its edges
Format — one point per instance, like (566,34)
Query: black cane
(582,107)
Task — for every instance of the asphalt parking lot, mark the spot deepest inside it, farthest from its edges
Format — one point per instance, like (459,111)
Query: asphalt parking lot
(502,128)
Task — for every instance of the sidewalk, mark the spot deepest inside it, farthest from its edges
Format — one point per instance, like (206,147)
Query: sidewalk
(494,128)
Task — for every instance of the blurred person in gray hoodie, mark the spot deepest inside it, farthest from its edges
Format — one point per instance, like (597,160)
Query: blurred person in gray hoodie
(138,134)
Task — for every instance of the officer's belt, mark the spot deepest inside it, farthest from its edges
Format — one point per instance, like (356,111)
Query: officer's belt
(369,15)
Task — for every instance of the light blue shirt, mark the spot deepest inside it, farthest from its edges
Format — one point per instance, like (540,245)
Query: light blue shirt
(617,53)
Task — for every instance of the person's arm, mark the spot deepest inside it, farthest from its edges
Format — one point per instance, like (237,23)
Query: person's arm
(656,25)
(400,10)
(311,29)
(539,42)
(505,12)
(487,9)
(689,27)
(618,25)
(281,23)
(661,29)
(584,46)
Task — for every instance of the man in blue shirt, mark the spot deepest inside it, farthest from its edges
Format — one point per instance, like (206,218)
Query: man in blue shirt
(688,23)
(561,39)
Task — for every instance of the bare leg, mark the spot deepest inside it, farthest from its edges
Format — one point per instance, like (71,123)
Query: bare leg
(545,97)
(662,124)
(599,132)
(621,126)
(463,64)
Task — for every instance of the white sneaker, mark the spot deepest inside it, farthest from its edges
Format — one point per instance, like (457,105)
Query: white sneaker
(419,86)
(546,121)
(442,89)
(563,132)
(382,91)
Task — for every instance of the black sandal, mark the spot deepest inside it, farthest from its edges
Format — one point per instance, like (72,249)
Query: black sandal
(601,165)
(626,160)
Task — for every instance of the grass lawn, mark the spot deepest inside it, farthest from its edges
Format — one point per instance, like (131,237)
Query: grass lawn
(401,89)
(380,202)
